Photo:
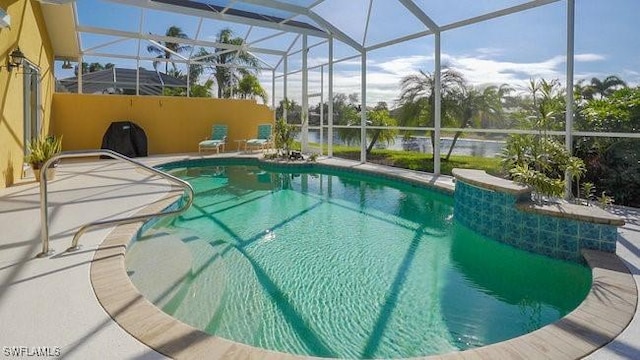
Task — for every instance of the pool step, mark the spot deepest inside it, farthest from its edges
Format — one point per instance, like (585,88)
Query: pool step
(157,263)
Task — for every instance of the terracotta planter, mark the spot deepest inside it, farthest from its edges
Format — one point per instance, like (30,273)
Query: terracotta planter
(51,172)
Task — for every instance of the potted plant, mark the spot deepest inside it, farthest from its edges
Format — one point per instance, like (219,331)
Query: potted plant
(41,150)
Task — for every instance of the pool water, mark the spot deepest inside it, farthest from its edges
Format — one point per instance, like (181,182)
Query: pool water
(333,265)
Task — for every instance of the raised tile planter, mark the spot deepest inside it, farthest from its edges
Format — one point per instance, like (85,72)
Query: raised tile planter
(503,211)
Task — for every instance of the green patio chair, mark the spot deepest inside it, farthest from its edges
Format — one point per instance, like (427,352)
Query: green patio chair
(262,140)
(218,139)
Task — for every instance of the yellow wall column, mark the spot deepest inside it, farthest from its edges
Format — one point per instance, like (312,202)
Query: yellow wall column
(29,33)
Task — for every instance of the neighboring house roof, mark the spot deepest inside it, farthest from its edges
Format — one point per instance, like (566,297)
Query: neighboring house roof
(116,80)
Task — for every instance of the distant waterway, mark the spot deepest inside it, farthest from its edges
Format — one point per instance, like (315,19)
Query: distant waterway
(472,147)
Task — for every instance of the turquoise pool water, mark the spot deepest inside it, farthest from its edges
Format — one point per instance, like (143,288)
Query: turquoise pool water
(342,266)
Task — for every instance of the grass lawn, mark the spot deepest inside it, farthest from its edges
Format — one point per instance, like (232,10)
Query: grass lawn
(420,161)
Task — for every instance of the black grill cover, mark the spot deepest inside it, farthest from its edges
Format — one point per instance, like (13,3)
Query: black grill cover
(126,138)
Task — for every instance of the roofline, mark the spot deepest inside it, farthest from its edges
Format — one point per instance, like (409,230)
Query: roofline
(209,12)
(135,35)
(306,11)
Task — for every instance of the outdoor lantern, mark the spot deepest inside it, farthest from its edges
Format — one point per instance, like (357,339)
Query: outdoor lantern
(15,59)
(67,65)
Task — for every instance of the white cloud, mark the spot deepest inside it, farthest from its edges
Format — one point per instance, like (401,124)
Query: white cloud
(632,77)
(384,76)
(489,51)
(403,66)
(589,57)
(483,71)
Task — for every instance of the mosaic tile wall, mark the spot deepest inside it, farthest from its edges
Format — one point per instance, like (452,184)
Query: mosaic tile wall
(494,214)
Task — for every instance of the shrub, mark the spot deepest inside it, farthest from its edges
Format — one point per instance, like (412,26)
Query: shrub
(284,134)
(541,163)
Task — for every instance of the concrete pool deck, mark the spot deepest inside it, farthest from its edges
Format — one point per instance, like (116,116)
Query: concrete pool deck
(51,302)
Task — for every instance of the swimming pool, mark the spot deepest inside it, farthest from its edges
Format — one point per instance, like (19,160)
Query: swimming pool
(340,265)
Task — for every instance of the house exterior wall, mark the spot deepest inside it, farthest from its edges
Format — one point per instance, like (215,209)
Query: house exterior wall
(172,124)
(28,31)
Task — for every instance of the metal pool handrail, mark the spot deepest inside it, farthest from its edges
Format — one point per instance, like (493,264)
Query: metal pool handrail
(44,214)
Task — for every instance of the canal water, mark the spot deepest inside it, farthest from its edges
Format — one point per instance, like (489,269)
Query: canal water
(472,147)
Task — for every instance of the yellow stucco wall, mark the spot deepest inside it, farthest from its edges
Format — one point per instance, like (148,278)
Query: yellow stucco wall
(172,124)
(27,31)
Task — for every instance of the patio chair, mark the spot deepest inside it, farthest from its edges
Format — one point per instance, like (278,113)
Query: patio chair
(218,139)
(262,141)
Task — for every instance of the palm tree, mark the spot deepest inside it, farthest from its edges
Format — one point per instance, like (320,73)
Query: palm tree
(196,70)
(226,74)
(379,116)
(602,88)
(472,107)
(491,115)
(170,47)
(470,102)
(93,67)
(582,92)
(417,101)
(201,90)
(249,88)
(89,68)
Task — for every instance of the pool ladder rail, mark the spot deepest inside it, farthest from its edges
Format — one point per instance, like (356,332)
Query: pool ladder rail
(44,213)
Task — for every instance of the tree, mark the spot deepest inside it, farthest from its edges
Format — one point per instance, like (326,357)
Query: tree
(379,116)
(293,110)
(469,103)
(417,100)
(582,92)
(346,113)
(195,89)
(284,135)
(602,88)
(226,73)
(170,48)
(249,88)
(613,164)
(540,161)
(619,112)
(93,67)
(196,70)
(201,90)
(544,108)
(492,115)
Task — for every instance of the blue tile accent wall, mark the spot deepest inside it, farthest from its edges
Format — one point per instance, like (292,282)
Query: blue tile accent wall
(495,215)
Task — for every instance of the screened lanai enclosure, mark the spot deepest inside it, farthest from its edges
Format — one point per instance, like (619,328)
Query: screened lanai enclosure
(435,77)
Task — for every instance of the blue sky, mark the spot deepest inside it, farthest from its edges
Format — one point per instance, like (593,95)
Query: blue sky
(510,49)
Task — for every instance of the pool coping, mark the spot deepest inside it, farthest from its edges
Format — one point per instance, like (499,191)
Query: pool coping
(605,313)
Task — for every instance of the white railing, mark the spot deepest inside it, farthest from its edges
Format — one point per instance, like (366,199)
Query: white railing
(44,213)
